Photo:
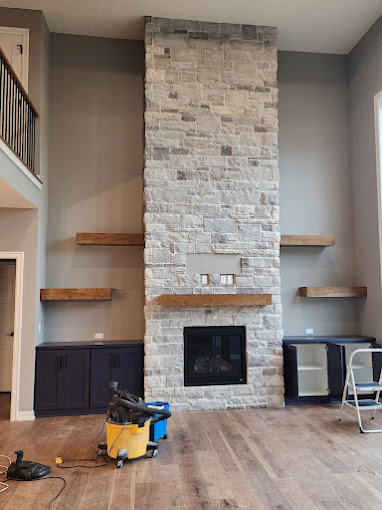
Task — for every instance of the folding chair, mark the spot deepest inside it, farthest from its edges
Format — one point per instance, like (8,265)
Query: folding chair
(361,387)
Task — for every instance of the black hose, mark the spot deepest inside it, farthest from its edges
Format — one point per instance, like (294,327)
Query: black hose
(142,408)
(128,401)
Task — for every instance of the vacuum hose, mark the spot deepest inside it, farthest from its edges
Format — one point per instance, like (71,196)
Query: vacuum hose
(127,400)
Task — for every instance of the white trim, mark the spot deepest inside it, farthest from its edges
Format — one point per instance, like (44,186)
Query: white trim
(26,416)
(4,147)
(24,32)
(378,147)
(19,258)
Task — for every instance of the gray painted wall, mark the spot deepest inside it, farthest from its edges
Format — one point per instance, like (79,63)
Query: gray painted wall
(315,190)
(365,81)
(95,163)
(35,237)
(18,232)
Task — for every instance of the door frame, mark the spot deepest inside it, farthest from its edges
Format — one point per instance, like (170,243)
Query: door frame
(16,351)
(378,149)
(24,32)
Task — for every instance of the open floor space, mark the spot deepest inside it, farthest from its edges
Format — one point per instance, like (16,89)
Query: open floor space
(296,458)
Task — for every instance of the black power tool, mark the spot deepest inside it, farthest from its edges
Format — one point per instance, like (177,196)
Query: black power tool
(25,469)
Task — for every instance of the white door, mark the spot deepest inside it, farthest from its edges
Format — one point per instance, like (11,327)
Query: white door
(15,44)
(7,312)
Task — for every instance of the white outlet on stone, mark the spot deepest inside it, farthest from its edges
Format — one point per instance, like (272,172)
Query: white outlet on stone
(204,280)
(309,331)
(226,279)
(99,336)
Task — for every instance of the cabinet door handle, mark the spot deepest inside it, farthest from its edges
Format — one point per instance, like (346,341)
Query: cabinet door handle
(61,362)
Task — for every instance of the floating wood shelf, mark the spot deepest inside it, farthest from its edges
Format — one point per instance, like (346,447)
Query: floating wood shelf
(215,299)
(332,292)
(109,239)
(75,294)
(293,240)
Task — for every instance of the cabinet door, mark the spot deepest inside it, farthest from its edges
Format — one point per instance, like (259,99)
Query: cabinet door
(128,369)
(336,370)
(377,362)
(76,378)
(49,380)
(102,361)
(290,372)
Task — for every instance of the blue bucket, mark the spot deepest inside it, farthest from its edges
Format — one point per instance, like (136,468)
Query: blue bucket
(159,429)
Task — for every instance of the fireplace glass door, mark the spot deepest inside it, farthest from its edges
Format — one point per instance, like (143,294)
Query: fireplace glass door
(214,355)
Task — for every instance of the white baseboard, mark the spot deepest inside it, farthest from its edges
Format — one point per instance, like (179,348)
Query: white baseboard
(25,416)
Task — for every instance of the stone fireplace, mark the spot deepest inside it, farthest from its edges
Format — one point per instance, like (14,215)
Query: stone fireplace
(211,188)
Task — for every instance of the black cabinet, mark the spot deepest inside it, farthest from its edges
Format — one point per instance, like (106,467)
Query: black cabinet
(74,378)
(124,365)
(315,367)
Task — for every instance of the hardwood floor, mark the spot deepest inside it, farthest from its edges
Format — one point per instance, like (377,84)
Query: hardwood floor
(296,458)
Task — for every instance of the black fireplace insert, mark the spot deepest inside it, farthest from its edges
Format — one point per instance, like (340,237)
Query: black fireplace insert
(214,355)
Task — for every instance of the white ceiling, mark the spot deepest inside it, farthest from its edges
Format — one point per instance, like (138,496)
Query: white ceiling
(321,26)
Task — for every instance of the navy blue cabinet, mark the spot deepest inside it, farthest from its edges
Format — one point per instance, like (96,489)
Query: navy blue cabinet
(74,378)
(315,367)
(124,365)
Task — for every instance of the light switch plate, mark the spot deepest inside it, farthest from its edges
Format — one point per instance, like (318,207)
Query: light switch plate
(226,279)
(204,279)
(99,336)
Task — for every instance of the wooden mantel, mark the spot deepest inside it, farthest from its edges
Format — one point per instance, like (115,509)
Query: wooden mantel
(215,299)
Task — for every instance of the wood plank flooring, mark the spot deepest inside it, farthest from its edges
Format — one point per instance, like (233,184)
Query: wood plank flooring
(296,458)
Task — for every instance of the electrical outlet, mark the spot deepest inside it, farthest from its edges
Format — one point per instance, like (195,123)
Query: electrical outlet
(226,279)
(309,331)
(204,279)
(39,327)
(99,336)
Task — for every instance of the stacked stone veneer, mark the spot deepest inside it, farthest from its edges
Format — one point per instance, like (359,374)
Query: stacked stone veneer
(211,186)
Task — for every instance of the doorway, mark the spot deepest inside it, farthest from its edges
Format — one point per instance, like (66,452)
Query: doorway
(11,277)
(7,315)
(15,44)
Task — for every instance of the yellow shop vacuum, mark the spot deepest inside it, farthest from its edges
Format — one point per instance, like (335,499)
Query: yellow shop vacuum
(128,422)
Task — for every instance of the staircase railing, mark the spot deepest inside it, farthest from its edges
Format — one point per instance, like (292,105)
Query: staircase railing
(17,115)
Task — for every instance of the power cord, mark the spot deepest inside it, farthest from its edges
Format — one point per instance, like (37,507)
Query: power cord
(60,460)
(5,468)
(6,485)
(46,478)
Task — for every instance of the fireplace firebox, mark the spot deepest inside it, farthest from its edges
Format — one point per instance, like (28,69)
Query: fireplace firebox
(214,355)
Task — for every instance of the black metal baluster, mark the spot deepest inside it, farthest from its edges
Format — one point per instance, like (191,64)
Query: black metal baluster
(17,116)
(13,114)
(1,96)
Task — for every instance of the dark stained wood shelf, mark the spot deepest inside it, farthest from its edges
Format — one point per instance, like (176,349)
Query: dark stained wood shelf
(109,239)
(303,240)
(75,294)
(333,292)
(215,299)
